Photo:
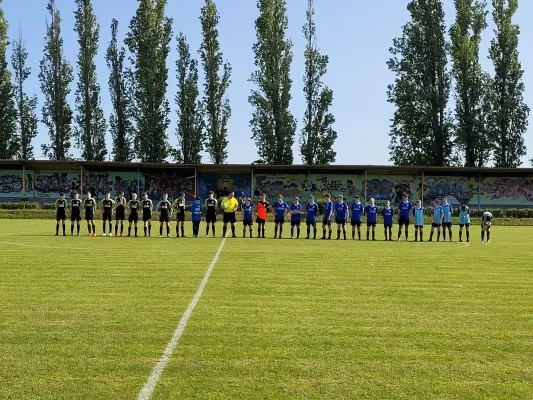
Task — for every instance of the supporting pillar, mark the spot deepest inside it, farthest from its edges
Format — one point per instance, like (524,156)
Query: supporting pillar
(195,181)
(33,180)
(252,184)
(422,191)
(479,191)
(81,182)
(366,183)
(23,179)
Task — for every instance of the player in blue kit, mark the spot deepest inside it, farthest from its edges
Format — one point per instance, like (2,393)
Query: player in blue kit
(447,211)
(196,211)
(341,216)
(358,209)
(437,219)
(247,216)
(280,209)
(328,214)
(371,212)
(296,211)
(312,214)
(404,216)
(464,222)
(418,214)
(388,213)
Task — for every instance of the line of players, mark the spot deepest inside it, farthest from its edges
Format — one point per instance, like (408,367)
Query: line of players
(339,212)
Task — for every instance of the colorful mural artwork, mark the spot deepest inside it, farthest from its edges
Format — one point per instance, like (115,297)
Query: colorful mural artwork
(50,184)
(347,185)
(457,190)
(507,190)
(288,185)
(222,184)
(384,189)
(172,183)
(11,183)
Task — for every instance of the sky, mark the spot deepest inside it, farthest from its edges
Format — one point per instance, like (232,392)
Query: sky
(355,34)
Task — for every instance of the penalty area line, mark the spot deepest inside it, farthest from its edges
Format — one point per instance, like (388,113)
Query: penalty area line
(149,387)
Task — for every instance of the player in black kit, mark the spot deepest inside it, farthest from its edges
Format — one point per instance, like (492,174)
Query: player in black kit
(165,210)
(75,213)
(120,212)
(147,206)
(179,206)
(134,206)
(61,213)
(210,213)
(107,206)
(90,209)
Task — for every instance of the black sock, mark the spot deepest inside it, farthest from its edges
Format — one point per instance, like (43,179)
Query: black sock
(233,230)
(460,236)
(314,232)
(263,231)
(57,229)
(390,232)
(329,234)
(353,233)
(161,230)
(467,236)
(438,236)
(367,235)
(145,229)
(373,234)
(213,229)
(416,235)
(450,235)
(110,228)
(116,229)
(63,229)
(308,231)
(292,231)
(323,233)
(488,235)
(359,234)
(338,233)
(297,232)
(78,228)
(421,235)
(129,230)
(207,230)
(482,235)
(244,232)
(89,228)
(280,230)
(103,227)
(71,229)
(385,233)
(224,230)
(94,229)
(444,234)
(399,234)
(149,229)
(135,231)
(344,233)
(182,231)
(121,228)
(406,233)
(431,236)
(275,230)
(168,230)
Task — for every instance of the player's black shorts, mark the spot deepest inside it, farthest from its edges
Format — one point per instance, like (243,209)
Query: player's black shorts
(446,224)
(463,225)
(89,216)
(340,221)
(387,225)
(260,220)
(435,225)
(371,224)
(229,217)
(296,223)
(310,223)
(248,223)
(133,217)
(404,221)
(164,217)
(326,222)
(357,223)
(75,217)
(119,214)
(211,217)
(180,216)
(61,215)
(108,216)
(279,221)
(147,215)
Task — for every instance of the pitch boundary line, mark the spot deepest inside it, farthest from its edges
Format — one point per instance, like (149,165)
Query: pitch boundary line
(149,387)
(45,247)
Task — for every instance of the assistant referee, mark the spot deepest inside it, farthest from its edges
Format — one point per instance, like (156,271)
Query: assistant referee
(229,205)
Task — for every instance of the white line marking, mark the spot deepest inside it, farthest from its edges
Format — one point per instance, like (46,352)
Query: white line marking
(46,247)
(464,245)
(149,387)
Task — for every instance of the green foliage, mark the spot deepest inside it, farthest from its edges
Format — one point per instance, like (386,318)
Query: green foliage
(90,120)
(189,109)
(318,135)
(508,120)
(120,122)
(56,76)
(216,107)
(472,84)
(149,44)
(273,125)
(19,206)
(8,113)
(26,106)
(421,128)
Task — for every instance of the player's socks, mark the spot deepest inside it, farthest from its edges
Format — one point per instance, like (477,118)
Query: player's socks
(460,236)
(399,234)
(244,232)
(344,233)
(421,235)
(353,234)
(71,229)
(103,228)
(359,234)
(323,234)
(292,231)
(224,230)
(145,229)
(182,231)
(488,236)
(168,230)
(308,232)
(450,236)
(416,235)
(213,229)
(110,228)
(89,228)
(297,232)
(438,236)
(314,233)
(57,229)
(251,232)
(94,230)
(444,235)
(431,236)
(78,229)
(121,228)
(116,230)
(338,234)
(373,234)
(129,230)
(207,230)
(177,231)
(160,231)
(386,238)
(275,230)
(406,234)
(329,235)
(467,236)
(367,235)
(482,236)
(280,230)
(64,230)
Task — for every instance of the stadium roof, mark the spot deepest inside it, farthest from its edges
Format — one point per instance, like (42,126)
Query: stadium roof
(47,165)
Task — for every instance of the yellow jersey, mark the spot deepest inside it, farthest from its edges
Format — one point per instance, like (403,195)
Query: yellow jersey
(229,205)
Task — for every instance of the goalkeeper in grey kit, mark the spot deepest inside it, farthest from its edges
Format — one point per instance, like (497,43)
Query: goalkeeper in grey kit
(486,222)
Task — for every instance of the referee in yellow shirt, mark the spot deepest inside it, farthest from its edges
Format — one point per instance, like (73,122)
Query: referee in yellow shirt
(229,206)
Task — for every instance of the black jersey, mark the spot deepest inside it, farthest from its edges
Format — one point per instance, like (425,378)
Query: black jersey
(121,202)
(61,204)
(210,206)
(75,206)
(107,205)
(134,206)
(89,206)
(147,205)
(165,207)
(181,205)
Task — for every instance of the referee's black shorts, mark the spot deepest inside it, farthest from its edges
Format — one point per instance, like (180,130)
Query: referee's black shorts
(229,217)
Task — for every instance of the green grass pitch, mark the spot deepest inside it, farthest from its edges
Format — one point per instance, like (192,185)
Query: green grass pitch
(88,318)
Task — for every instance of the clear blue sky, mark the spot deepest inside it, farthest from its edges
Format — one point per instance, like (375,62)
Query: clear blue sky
(356,35)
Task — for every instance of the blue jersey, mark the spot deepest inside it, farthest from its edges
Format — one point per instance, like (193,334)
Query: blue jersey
(280,209)
(404,210)
(387,216)
(464,215)
(358,209)
(328,209)
(296,216)
(419,216)
(247,211)
(371,214)
(196,210)
(437,214)
(447,210)
(341,209)
(312,212)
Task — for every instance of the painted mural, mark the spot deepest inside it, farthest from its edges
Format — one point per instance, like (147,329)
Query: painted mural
(172,183)
(50,184)
(507,191)
(222,184)
(384,189)
(458,190)
(11,183)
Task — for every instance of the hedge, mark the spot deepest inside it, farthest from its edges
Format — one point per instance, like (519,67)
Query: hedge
(19,206)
